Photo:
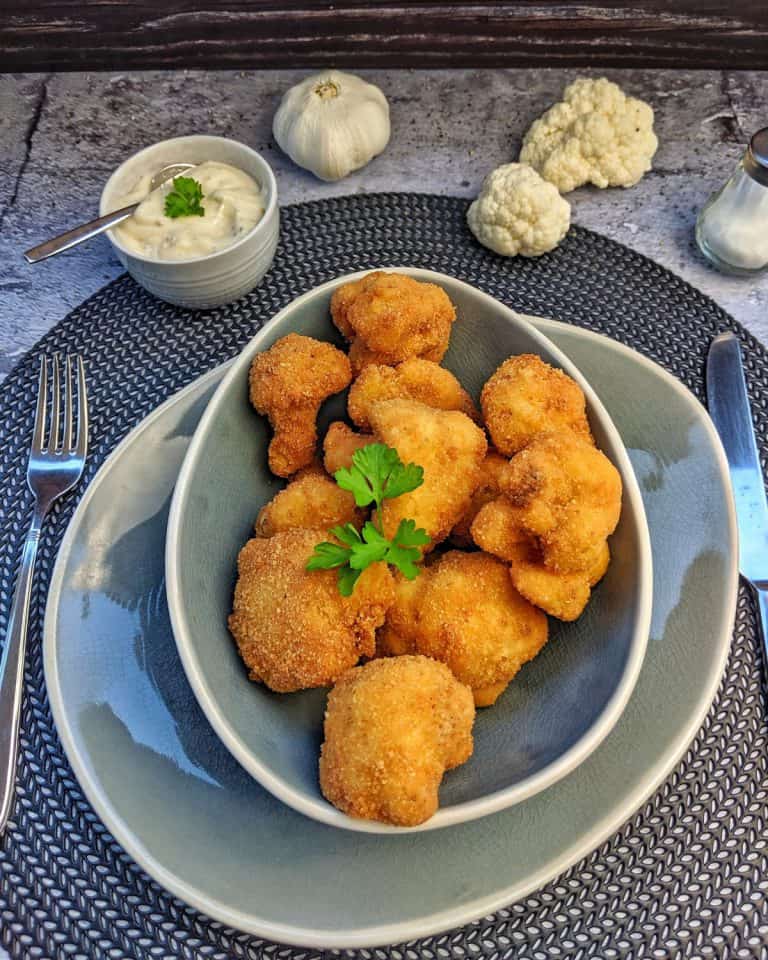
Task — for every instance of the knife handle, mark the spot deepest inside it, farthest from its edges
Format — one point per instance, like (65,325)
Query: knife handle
(761,596)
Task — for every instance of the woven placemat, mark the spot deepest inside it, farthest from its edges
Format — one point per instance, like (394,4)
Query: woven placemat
(686,876)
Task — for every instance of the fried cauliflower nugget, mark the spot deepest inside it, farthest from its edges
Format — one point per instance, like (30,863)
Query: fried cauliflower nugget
(389,317)
(464,611)
(392,729)
(561,595)
(489,489)
(525,398)
(497,530)
(568,496)
(413,379)
(448,446)
(293,628)
(340,444)
(288,383)
(312,500)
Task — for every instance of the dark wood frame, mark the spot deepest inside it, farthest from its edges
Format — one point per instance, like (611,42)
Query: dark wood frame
(42,35)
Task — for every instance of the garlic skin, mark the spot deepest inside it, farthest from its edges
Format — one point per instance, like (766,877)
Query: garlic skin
(332,123)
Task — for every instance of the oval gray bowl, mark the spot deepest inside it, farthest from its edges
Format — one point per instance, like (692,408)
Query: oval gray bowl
(555,712)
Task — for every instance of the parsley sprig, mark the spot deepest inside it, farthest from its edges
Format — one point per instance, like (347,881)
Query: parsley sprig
(377,474)
(184,200)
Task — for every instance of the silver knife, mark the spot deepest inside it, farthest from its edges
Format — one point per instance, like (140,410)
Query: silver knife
(729,408)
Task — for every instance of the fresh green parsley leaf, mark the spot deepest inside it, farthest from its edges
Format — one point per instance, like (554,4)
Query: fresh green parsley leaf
(403,551)
(327,556)
(347,578)
(377,473)
(407,478)
(348,534)
(184,199)
(373,548)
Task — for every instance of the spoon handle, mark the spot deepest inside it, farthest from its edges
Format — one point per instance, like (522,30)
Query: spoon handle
(79,235)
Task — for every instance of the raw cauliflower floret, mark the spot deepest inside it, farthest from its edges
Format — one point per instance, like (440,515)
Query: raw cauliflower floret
(518,212)
(596,134)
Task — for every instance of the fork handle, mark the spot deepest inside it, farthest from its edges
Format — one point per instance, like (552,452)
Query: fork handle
(12,667)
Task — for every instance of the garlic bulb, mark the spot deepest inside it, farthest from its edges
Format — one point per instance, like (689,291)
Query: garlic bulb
(332,123)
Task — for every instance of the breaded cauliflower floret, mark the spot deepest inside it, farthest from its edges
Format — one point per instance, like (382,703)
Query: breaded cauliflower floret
(312,500)
(392,729)
(464,611)
(519,213)
(489,489)
(450,448)
(497,529)
(340,444)
(567,495)
(526,397)
(293,628)
(413,379)
(561,595)
(389,317)
(288,383)
(596,134)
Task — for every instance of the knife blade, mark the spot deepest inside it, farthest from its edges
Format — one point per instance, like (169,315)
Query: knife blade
(730,410)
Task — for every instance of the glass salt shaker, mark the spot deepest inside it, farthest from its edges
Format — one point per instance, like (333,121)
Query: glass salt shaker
(732,228)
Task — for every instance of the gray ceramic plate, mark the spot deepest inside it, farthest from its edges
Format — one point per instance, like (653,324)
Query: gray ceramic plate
(559,708)
(184,809)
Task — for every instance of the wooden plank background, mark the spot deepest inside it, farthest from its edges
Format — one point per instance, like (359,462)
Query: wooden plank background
(41,35)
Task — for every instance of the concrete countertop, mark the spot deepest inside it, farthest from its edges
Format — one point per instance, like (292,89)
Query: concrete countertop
(61,136)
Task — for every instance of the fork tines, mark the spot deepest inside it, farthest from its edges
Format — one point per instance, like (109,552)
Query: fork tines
(62,441)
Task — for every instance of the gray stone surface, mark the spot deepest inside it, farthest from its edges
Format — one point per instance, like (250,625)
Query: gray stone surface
(62,135)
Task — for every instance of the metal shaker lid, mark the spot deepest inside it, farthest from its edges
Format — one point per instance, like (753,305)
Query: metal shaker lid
(756,157)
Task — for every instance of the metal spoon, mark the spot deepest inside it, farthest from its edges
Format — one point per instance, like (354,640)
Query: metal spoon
(87,230)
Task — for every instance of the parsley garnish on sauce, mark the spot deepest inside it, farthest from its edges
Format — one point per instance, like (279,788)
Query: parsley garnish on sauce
(376,474)
(184,199)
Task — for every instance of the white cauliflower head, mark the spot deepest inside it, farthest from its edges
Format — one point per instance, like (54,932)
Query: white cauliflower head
(518,212)
(596,134)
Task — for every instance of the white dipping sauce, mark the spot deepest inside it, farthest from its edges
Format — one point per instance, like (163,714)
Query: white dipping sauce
(233,203)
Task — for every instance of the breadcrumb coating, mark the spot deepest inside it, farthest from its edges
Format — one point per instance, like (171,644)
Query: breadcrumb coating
(568,494)
(449,447)
(413,379)
(288,383)
(389,317)
(312,500)
(340,444)
(392,729)
(561,595)
(526,398)
(489,489)
(292,627)
(464,611)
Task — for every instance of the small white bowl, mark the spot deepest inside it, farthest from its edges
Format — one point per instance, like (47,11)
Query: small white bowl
(217,278)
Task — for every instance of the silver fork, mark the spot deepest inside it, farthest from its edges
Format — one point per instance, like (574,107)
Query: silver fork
(54,468)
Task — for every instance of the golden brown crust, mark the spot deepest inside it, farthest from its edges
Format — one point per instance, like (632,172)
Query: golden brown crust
(489,489)
(389,317)
(288,383)
(525,398)
(292,627)
(568,496)
(339,445)
(413,379)
(392,728)
(449,447)
(496,529)
(312,500)
(464,611)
